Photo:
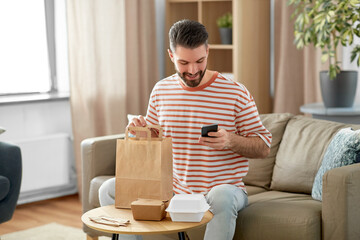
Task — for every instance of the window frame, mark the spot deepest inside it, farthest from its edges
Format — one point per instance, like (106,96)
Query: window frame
(49,6)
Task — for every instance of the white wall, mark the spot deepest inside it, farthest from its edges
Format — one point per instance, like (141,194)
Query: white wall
(35,119)
(347,65)
(42,130)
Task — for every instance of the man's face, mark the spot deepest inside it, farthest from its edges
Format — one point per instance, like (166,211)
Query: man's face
(190,64)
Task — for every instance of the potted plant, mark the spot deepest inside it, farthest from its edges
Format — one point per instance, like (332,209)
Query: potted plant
(225,28)
(326,24)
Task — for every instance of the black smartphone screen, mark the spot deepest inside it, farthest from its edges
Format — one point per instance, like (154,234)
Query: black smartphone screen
(208,128)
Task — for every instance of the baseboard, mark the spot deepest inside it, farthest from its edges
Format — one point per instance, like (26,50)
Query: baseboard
(47,193)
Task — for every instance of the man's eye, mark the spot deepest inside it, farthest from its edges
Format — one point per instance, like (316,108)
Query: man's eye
(200,61)
(183,63)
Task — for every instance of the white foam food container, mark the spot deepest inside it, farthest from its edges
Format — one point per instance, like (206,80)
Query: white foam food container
(187,207)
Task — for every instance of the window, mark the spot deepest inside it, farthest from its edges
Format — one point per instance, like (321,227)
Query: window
(28,61)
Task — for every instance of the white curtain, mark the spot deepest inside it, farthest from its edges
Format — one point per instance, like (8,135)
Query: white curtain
(113,65)
(296,71)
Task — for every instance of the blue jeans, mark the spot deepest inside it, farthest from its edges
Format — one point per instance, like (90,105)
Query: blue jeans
(225,202)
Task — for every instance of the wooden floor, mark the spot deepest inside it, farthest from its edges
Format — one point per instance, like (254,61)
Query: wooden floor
(65,210)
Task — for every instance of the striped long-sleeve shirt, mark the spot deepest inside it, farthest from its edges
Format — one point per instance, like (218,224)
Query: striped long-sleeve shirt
(182,111)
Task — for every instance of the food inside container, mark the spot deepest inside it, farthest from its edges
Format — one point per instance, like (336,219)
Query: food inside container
(187,207)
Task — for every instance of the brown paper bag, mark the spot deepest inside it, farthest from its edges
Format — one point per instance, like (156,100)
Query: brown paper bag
(143,167)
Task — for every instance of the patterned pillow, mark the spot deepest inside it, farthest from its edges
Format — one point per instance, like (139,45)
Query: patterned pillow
(344,149)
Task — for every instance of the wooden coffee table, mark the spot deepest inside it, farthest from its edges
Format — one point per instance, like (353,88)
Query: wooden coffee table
(164,226)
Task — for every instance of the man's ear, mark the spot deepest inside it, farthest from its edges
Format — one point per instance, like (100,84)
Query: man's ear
(171,55)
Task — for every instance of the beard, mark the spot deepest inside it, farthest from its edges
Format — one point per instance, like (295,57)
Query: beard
(191,82)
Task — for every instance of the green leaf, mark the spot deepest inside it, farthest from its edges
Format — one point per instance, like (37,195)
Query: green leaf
(300,44)
(318,18)
(356,32)
(355,54)
(307,36)
(351,37)
(331,13)
(338,70)
(332,71)
(354,3)
(225,21)
(354,18)
(324,57)
(344,37)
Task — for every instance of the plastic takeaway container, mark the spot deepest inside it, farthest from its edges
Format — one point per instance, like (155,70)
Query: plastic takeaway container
(187,207)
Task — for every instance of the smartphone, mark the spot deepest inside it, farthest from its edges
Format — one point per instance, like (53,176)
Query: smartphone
(208,128)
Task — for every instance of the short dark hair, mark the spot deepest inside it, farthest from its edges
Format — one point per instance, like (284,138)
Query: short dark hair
(187,33)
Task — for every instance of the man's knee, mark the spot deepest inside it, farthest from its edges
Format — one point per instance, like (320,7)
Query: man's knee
(226,197)
(107,192)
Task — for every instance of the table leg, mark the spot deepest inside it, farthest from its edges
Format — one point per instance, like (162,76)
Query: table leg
(181,235)
(115,236)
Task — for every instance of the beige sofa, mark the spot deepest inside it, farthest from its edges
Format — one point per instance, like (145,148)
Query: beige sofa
(279,186)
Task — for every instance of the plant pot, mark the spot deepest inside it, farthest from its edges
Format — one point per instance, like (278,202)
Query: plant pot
(338,92)
(226,35)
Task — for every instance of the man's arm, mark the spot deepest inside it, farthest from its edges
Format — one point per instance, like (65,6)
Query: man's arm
(251,147)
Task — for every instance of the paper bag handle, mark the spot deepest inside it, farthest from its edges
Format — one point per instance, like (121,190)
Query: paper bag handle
(146,129)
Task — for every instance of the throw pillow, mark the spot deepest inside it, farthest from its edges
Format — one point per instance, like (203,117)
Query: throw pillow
(2,130)
(344,149)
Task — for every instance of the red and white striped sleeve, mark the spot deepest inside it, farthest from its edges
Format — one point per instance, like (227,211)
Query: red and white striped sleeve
(248,122)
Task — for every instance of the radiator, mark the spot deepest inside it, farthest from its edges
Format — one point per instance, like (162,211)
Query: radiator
(48,167)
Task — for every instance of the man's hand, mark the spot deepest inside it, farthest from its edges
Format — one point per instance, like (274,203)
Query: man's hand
(218,140)
(141,122)
(251,147)
(137,122)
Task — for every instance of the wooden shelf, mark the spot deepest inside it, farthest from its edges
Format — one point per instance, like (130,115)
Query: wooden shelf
(221,46)
(185,1)
(215,0)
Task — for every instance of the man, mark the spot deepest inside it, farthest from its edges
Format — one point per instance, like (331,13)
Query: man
(193,97)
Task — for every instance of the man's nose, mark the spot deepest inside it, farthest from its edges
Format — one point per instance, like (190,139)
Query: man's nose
(193,69)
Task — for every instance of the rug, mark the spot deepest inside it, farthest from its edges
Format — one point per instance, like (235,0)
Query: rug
(51,231)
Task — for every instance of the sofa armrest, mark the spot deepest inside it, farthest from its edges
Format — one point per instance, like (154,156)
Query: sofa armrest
(341,203)
(10,169)
(98,156)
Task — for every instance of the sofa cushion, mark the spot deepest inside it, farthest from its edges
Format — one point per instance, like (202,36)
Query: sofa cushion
(300,153)
(260,170)
(344,149)
(251,190)
(94,189)
(280,215)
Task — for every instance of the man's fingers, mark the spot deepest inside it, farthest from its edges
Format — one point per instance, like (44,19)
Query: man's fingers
(139,122)
(142,121)
(208,140)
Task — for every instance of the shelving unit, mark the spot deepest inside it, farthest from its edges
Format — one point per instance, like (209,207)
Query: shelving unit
(248,58)
(205,12)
